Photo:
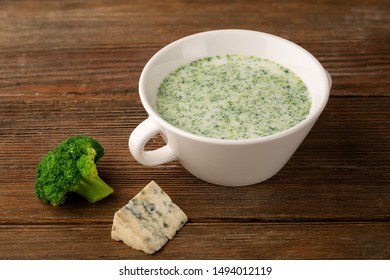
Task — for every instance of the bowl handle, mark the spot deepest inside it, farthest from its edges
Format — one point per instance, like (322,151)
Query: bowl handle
(138,139)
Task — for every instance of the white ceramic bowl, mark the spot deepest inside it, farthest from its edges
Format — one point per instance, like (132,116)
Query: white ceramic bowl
(220,161)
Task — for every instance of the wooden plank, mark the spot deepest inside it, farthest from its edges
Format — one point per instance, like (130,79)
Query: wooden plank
(342,165)
(66,48)
(204,241)
(114,72)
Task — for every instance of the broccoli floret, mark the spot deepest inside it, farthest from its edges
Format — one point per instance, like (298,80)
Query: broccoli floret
(71,167)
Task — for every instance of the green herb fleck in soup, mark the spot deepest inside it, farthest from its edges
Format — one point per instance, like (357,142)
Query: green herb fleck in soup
(233,97)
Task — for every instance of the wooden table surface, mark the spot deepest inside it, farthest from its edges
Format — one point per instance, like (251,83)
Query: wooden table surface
(72,68)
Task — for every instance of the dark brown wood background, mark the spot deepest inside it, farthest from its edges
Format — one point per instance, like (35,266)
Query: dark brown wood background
(72,67)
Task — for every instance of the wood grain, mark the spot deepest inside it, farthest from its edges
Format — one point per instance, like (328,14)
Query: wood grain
(72,67)
(196,241)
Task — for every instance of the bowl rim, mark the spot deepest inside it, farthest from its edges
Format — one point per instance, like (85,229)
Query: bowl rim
(310,119)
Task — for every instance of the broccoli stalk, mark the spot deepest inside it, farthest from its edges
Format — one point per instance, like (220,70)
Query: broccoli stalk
(93,189)
(71,167)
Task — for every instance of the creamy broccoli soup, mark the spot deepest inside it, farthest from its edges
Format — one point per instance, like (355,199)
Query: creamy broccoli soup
(233,97)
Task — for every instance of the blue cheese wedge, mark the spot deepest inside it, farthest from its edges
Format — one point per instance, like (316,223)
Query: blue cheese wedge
(148,221)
